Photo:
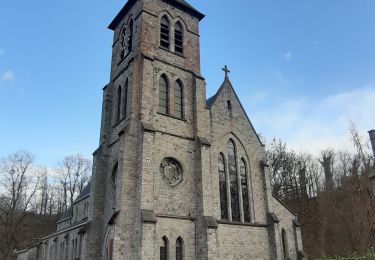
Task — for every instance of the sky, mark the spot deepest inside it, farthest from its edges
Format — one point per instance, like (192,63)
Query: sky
(301,68)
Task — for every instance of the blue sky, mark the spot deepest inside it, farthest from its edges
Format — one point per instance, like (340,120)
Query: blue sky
(300,67)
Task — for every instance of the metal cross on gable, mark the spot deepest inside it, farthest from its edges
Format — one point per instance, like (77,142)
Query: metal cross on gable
(226,70)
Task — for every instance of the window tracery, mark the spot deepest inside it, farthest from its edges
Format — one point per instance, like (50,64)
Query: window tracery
(171,171)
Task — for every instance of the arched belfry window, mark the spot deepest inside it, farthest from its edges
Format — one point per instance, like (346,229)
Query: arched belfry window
(118,104)
(123,42)
(245,190)
(223,187)
(179,249)
(178,38)
(164,32)
(130,37)
(233,180)
(163,95)
(178,99)
(164,249)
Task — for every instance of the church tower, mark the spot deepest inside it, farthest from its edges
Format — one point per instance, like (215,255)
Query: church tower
(148,178)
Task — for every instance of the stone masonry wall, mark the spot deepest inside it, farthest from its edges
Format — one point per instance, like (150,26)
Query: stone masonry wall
(286,218)
(242,242)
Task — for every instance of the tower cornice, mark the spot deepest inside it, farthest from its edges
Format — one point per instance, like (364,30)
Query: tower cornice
(180,4)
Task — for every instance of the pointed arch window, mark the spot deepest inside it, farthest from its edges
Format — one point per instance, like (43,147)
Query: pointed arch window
(163,95)
(130,37)
(233,180)
(123,42)
(164,249)
(178,38)
(223,188)
(164,32)
(285,244)
(178,99)
(179,249)
(245,191)
(118,104)
(124,99)
(114,184)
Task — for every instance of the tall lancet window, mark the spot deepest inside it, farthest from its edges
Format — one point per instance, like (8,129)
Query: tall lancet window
(285,243)
(223,188)
(118,104)
(163,95)
(245,191)
(164,32)
(178,38)
(114,184)
(124,99)
(178,99)
(130,36)
(179,249)
(164,249)
(232,165)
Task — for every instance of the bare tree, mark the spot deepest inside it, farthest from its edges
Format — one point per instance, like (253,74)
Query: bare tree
(19,183)
(73,175)
(327,162)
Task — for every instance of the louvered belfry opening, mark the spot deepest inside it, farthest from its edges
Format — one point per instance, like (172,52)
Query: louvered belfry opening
(164,32)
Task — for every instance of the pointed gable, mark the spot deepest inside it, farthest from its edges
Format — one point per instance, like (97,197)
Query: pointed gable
(227,85)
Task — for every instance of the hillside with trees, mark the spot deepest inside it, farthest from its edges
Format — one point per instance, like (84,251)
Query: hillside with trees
(332,193)
(32,197)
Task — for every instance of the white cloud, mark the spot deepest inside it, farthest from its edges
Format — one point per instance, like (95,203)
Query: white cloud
(288,55)
(314,124)
(8,75)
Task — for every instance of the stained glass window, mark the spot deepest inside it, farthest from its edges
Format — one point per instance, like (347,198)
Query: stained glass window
(245,191)
(223,188)
(232,165)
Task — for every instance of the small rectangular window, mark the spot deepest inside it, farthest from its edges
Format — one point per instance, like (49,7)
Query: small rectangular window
(229,104)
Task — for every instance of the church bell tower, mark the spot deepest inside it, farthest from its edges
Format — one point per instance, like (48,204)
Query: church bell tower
(151,169)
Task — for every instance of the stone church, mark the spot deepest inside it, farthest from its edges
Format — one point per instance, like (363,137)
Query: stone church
(176,175)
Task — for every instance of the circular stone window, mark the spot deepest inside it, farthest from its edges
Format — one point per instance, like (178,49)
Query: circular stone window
(171,171)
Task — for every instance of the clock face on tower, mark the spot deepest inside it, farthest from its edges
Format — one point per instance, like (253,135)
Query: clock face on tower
(171,171)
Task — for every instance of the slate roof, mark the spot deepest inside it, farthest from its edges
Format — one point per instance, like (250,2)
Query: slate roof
(210,101)
(181,4)
(86,191)
(66,214)
(69,213)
